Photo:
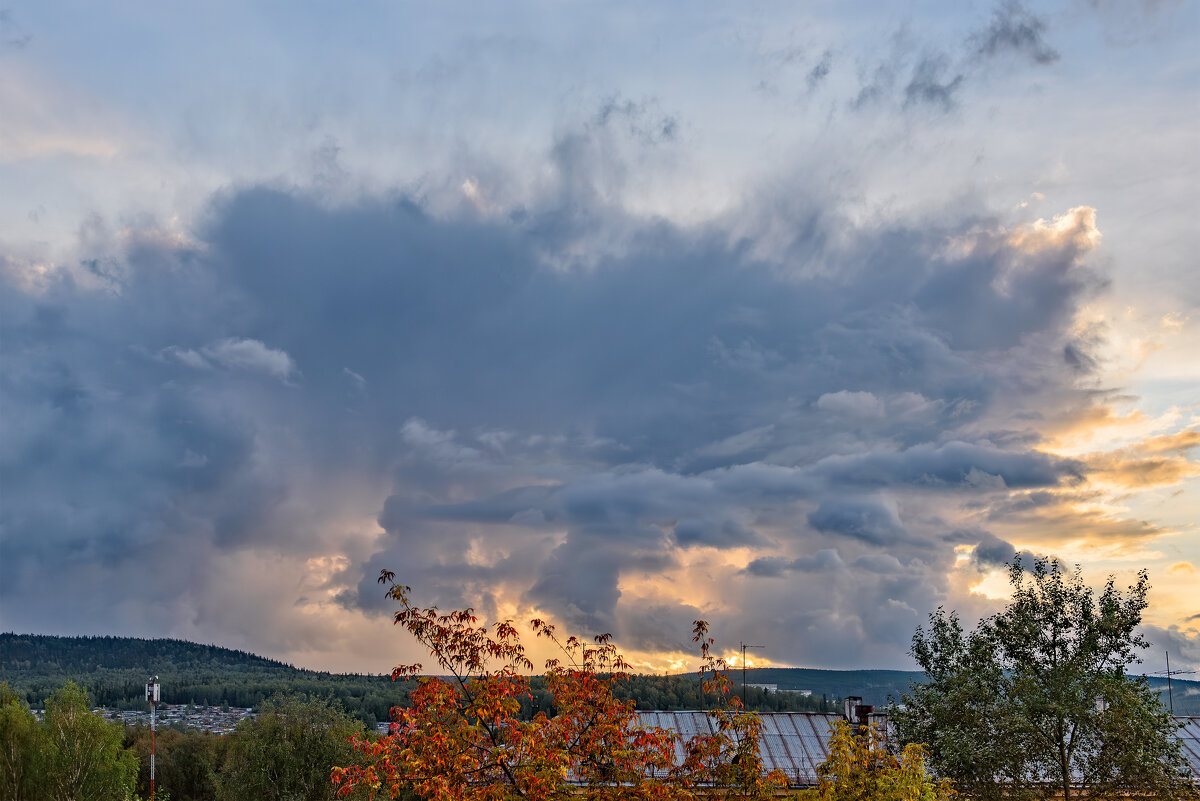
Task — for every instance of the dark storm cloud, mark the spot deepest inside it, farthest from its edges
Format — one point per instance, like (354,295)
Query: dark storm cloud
(994,552)
(866,519)
(542,424)
(579,578)
(954,464)
(991,553)
(823,561)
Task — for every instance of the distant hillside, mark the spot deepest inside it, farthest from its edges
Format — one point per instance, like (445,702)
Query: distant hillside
(878,686)
(25,651)
(115,669)
(873,686)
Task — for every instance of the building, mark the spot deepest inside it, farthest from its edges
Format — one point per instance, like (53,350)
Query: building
(795,743)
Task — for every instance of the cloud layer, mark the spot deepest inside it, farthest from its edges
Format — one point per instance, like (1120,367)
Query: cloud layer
(742,345)
(549,435)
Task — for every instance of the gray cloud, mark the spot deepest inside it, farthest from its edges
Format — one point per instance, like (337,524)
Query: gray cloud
(1014,29)
(819,71)
(922,75)
(930,84)
(1183,643)
(993,552)
(642,121)
(954,464)
(823,561)
(869,519)
(522,422)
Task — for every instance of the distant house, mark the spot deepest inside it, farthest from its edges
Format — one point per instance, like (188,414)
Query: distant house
(774,688)
(218,720)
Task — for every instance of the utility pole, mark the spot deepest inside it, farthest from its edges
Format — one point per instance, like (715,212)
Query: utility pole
(152,697)
(744,647)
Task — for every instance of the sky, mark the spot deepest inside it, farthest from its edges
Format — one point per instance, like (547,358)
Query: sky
(800,318)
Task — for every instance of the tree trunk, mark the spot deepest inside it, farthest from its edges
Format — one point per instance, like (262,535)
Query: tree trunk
(1064,766)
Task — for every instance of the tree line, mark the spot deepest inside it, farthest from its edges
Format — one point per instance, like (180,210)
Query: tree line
(113,670)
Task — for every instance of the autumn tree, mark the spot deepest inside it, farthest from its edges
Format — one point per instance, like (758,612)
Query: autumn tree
(463,739)
(1035,703)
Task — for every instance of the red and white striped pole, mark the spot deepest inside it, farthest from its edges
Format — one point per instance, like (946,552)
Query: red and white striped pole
(152,697)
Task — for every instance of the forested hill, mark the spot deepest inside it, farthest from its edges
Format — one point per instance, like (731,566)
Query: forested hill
(25,651)
(879,686)
(114,671)
(873,686)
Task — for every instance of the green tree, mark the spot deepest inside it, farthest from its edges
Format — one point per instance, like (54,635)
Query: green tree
(861,768)
(287,752)
(186,765)
(1035,702)
(81,755)
(18,747)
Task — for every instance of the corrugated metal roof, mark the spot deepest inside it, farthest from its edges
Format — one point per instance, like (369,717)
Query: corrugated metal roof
(1189,739)
(797,742)
(793,742)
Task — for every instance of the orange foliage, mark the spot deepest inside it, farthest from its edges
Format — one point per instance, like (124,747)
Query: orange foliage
(462,739)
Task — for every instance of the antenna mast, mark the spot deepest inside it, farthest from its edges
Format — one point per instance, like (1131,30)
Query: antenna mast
(1170,694)
(1169,673)
(744,647)
(152,697)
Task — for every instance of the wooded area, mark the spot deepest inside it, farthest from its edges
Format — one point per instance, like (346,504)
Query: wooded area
(114,670)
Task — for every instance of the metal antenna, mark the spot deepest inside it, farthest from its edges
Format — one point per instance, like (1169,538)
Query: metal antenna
(1170,694)
(152,695)
(744,647)
(1169,673)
